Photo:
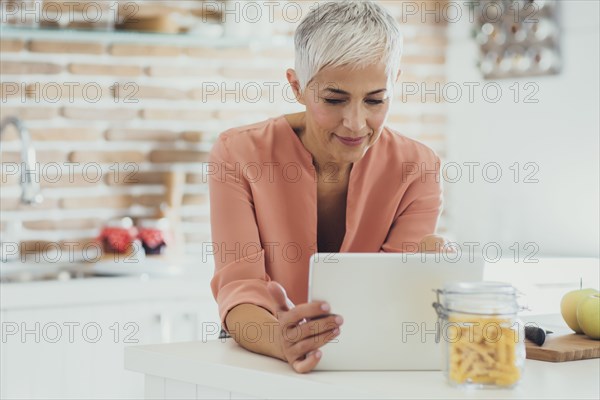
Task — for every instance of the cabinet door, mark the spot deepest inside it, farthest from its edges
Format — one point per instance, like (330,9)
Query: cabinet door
(209,322)
(3,366)
(189,320)
(77,352)
(122,325)
(36,355)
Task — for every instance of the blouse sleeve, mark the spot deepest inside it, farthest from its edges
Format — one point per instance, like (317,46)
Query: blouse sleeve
(240,275)
(418,211)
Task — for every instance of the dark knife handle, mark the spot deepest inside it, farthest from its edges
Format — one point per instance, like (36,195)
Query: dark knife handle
(535,334)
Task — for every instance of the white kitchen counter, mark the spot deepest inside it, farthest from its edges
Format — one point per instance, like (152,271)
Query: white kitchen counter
(192,282)
(82,292)
(544,283)
(222,369)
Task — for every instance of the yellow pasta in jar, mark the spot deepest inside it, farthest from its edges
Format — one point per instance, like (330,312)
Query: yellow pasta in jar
(482,350)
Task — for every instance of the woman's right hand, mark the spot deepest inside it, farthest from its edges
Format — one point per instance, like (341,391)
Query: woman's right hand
(303,329)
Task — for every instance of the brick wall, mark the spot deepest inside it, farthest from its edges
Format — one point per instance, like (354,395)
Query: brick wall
(110,114)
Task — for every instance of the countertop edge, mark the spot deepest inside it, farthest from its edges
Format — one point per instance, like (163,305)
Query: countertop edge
(218,376)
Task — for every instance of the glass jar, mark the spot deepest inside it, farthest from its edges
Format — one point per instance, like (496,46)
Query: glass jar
(154,234)
(483,339)
(118,235)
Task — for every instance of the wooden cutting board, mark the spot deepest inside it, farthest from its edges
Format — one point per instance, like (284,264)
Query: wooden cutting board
(559,348)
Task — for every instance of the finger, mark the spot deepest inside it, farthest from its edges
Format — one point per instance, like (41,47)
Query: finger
(279,295)
(312,328)
(432,243)
(308,363)
(306,311)
(299,349)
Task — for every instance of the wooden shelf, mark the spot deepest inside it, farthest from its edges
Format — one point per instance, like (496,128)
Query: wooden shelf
(181,39)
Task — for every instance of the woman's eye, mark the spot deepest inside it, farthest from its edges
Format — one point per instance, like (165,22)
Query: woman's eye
(338,101)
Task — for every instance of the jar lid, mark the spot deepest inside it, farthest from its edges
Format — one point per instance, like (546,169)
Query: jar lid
(125,223)
(479,298)
(153,223)
(484,287)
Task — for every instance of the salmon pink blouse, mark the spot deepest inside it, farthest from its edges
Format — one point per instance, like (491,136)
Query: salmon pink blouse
(263,207)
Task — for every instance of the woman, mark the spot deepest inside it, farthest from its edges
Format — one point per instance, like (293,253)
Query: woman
(330,179)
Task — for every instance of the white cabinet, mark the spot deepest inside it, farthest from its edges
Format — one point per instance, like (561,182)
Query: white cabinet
(158,388)
(77,351)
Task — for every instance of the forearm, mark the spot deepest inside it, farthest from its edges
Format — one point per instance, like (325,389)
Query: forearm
(255,329)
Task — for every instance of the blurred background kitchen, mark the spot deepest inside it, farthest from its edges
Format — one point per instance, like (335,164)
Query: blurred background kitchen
(105,214)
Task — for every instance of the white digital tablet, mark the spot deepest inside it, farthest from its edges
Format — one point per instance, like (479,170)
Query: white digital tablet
(386,302)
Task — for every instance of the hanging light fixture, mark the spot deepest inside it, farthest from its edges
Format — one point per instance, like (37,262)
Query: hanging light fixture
(517,38)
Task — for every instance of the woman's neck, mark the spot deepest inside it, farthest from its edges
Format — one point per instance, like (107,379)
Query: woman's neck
(324,166)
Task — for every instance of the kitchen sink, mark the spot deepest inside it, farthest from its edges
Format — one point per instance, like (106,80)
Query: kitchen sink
(19,273)
(63,275)
(32,271)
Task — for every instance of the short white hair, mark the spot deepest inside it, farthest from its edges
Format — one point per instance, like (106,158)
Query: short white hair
(347,33)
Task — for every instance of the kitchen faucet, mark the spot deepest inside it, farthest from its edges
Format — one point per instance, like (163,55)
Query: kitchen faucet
(30,185)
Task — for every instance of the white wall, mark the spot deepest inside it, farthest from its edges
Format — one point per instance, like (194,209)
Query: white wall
(560,134)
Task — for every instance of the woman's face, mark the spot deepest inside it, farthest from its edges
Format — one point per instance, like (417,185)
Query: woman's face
(345,112)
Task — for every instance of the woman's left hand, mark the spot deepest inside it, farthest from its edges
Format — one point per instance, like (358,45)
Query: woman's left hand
(432,244)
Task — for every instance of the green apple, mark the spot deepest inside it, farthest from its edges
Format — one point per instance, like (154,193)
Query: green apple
(588,315)
(568,306)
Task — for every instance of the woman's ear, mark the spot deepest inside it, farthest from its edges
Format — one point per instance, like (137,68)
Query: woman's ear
(295,84)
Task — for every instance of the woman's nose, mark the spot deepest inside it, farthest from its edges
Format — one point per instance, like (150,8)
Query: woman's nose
(355,119)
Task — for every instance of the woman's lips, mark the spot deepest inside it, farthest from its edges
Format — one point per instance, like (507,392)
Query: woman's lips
(348,141)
